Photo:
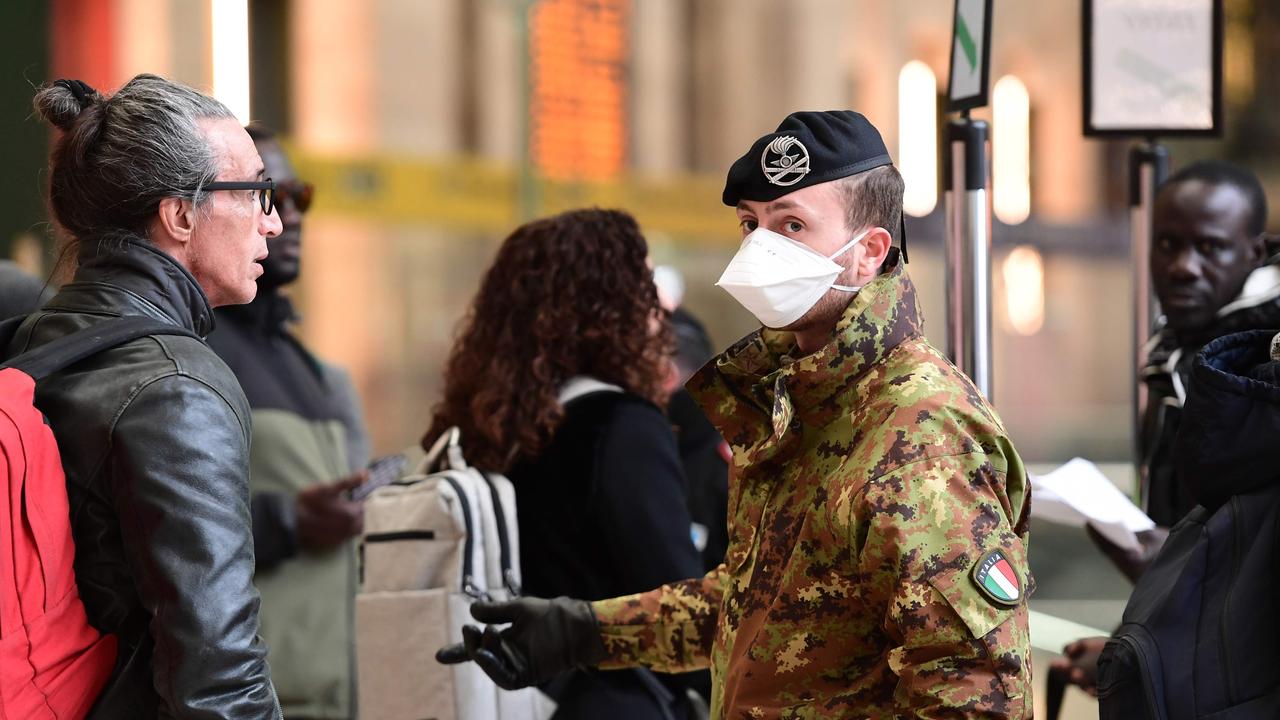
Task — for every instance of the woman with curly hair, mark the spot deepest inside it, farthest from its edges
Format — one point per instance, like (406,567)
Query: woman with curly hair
(569,308)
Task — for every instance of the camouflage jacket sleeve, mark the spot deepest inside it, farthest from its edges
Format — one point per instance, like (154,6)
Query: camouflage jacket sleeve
(670,629)
(956,652)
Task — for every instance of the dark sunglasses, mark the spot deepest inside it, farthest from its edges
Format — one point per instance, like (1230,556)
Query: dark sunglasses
(266,188)
(301,193)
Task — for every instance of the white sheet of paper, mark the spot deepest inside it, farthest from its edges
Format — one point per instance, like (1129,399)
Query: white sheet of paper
(1078,493)
(1051,634)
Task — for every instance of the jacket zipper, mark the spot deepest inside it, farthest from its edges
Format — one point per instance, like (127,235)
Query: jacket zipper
(1224,651)
(504,542)
(401,535)
(1144,665)
(469,586)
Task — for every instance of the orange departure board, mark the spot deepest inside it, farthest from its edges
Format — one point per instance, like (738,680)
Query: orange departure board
(579,78)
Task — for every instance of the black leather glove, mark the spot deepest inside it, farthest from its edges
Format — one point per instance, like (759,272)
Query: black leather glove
(546,638)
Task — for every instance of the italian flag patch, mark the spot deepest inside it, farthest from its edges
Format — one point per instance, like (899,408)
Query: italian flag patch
(997,580)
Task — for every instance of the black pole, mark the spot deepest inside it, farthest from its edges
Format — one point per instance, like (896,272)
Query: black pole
(1148,168)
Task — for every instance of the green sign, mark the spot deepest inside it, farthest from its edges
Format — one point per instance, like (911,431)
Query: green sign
(970,55)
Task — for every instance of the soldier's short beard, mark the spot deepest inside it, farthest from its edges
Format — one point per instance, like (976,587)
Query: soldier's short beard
(829,308)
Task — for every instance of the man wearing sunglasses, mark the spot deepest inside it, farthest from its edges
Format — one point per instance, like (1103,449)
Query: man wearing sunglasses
(308,452)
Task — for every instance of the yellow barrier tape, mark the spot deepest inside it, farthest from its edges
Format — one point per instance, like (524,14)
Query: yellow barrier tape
(470,194)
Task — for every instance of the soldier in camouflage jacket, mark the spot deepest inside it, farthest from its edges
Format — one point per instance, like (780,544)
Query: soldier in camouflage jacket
(877,564)
(868,481)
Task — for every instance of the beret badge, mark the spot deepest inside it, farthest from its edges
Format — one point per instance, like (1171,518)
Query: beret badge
(785,161)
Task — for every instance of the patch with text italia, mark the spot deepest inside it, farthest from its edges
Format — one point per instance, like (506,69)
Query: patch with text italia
(997,579)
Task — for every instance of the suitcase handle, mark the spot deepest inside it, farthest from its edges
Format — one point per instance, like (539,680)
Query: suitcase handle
(445,453)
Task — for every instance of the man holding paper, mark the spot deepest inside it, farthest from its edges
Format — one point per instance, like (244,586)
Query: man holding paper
(1216,272)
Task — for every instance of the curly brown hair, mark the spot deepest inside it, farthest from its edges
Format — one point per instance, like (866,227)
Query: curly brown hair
(566,295)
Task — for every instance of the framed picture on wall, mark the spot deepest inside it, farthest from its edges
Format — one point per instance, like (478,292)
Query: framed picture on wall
(1152,67)
(970,75)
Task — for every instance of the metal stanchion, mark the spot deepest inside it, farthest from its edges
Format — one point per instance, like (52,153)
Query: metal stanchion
(968,251)
(1148,167)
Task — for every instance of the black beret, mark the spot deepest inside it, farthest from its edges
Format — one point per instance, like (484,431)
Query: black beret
(808,148)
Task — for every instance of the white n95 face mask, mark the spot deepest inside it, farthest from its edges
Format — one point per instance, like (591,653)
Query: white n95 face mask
(779,279)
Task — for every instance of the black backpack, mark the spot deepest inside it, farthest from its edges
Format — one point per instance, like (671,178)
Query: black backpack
(1200,637)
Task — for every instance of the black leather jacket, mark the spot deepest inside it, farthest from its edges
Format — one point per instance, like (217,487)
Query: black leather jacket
(154,438)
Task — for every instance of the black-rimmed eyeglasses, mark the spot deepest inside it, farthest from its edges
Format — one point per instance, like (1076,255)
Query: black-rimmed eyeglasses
(266,196)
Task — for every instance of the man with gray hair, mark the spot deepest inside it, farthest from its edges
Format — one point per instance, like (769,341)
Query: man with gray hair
(162,195)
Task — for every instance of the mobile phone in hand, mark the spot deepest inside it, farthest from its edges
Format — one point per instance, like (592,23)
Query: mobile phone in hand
(382,471)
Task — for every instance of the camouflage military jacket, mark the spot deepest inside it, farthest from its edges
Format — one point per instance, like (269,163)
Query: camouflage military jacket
(873,492)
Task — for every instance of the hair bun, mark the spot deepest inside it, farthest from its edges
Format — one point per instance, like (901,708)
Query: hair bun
(61,102)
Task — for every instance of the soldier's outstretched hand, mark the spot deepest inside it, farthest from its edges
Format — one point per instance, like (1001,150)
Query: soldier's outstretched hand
(542,639)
